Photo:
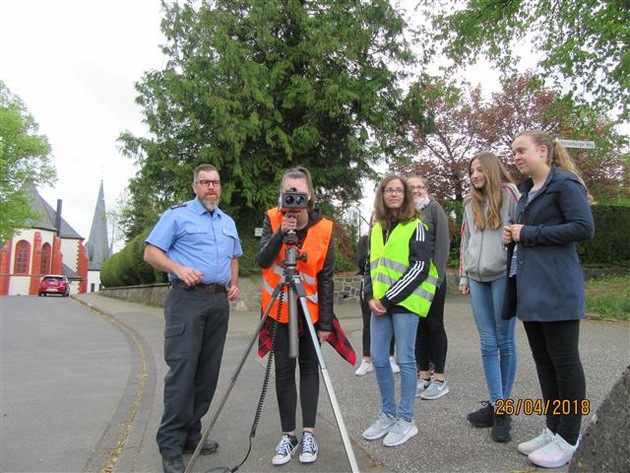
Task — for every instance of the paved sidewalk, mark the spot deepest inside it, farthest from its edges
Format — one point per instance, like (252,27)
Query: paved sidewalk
(446,442)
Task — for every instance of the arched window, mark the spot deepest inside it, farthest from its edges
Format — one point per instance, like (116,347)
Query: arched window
(46,252)
(22,257)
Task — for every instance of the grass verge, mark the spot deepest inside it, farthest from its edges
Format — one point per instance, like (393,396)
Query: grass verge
(609,297)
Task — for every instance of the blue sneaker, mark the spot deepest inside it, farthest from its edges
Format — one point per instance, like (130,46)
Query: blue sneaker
(309,448)
(285,450)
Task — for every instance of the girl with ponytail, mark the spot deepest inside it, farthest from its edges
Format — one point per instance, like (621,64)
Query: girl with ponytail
(552,216)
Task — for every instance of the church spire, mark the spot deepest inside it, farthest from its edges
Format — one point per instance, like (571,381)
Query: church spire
(97,246)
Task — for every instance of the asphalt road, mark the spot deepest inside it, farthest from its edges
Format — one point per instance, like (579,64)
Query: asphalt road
(81,386)
(63,368)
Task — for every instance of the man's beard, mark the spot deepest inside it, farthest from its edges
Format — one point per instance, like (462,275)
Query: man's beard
(210,204)
(422,202)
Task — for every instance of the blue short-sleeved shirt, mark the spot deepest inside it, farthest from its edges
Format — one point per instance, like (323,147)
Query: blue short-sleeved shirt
(196,238)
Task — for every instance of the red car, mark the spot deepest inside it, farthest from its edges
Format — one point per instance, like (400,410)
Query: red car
(54,284)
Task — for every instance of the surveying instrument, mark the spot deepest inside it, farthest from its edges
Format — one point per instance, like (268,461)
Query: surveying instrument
(291,280)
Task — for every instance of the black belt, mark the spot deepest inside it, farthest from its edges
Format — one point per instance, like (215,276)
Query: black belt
(209,288)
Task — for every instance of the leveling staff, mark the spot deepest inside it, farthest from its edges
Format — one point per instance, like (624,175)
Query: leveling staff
(197,244)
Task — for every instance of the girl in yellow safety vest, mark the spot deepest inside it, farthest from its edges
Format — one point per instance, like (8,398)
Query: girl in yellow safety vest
(399,289)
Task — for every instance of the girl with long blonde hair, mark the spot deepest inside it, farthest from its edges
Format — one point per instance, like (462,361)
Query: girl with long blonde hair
(491,205)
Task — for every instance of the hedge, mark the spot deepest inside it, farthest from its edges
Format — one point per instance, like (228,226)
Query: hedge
(611,244)
(127,267)
(609,247)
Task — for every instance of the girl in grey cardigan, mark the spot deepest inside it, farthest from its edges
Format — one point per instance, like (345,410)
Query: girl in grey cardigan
(491,206)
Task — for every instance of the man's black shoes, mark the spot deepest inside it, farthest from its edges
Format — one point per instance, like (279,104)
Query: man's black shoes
(176,465)
(208,448)
(173,465)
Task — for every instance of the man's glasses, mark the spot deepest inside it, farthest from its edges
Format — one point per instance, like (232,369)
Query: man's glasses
(417,188)
(397,191)
(206,183)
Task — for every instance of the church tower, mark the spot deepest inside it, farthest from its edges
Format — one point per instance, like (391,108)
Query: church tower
(98,249)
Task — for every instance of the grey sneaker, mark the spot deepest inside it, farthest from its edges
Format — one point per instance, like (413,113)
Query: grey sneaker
(379,427)
(399,433)
(435,390)
(423,384)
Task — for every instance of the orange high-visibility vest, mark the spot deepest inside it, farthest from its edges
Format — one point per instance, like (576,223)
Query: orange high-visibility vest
(315,246)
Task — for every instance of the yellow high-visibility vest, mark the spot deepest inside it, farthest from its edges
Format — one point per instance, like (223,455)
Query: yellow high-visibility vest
(389,261)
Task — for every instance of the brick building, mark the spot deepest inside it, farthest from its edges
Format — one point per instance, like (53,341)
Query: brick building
(51,246)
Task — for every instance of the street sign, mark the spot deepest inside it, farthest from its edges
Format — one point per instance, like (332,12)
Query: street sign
(578,144)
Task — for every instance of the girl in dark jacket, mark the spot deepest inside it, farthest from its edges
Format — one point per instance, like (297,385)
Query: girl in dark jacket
(553,215)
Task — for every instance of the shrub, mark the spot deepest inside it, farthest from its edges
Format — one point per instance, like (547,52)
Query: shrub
(610,244)
(127,267)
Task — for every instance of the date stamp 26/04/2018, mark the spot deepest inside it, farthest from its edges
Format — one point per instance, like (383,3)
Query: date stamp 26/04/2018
(530,406)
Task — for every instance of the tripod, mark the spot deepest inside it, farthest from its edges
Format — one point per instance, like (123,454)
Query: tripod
(291,279)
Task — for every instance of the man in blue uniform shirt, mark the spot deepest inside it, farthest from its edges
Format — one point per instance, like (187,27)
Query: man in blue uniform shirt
(197,244)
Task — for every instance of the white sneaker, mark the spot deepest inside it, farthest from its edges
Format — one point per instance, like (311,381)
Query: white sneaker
(537,442)
(365,368)
(399,433)
(394,365)
(556,453)
(379,427)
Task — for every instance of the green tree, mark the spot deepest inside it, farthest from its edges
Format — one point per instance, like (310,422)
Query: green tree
(257,87)
(24,156)
(583,43)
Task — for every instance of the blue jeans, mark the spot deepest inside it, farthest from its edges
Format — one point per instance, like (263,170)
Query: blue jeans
(498,345)
(404,327)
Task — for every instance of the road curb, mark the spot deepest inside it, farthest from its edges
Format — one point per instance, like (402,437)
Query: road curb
(130,419)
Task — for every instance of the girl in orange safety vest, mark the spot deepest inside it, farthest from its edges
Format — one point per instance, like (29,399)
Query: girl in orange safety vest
(314,239)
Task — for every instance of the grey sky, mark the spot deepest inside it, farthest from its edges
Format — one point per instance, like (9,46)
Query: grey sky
(73,63)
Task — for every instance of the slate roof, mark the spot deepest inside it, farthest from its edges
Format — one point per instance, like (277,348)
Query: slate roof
(70,273)
(46,214)
(98,245)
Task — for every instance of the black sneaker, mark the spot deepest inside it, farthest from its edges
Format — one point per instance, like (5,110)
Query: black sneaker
(500,431)
(285,450)
(484,417)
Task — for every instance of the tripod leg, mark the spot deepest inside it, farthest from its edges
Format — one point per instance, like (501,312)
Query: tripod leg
(219,408)
(328,382)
